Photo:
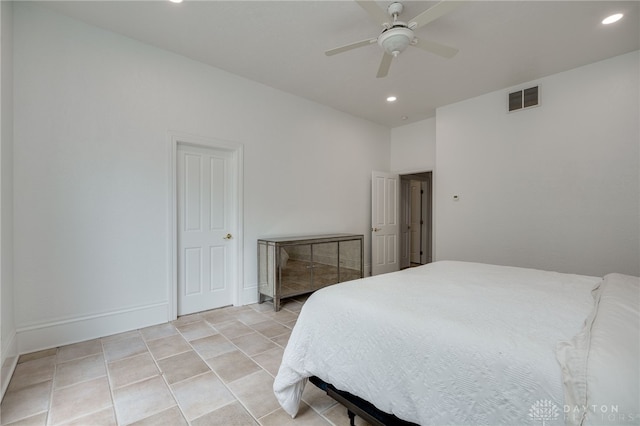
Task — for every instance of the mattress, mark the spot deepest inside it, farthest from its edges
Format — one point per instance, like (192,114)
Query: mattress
(444,343)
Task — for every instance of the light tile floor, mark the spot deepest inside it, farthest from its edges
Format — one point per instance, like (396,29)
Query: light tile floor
(212,368)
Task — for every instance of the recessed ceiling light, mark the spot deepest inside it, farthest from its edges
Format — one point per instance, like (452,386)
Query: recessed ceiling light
(391,99)
(175,1)
(613,18)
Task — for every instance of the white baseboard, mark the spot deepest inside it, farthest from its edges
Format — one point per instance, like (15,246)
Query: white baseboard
(8,363)
(249,295)
(64,332)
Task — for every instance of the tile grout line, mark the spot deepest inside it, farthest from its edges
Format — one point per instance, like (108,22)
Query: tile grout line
(162,375)
(256,419)
(237,399)
(53,378)
(210,370)
(111,389)
(54,388)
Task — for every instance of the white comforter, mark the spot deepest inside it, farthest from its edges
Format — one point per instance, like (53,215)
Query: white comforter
(445,343)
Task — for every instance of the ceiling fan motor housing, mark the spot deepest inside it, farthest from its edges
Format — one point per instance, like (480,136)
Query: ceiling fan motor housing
(396,39)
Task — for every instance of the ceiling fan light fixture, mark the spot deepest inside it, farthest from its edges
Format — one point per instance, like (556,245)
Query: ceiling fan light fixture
(395,40)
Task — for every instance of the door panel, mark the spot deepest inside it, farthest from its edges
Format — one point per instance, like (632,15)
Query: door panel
(217,214)
(205,213)
(385,227)
(193,271)
(192,191)
(218,268)
(391,246)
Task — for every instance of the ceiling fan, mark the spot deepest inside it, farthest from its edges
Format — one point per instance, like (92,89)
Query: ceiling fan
(397,35)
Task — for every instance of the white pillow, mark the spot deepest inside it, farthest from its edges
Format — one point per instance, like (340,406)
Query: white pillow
(601,364)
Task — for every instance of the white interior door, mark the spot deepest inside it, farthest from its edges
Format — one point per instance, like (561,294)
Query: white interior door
(206,229)
(385,222)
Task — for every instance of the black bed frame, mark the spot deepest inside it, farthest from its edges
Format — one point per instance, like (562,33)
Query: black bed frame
(359,407)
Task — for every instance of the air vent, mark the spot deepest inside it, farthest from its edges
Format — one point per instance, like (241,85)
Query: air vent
(521,99)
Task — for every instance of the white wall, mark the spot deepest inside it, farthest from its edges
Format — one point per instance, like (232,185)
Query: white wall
(554,187)
(93,112)
(8,343)
(413,147)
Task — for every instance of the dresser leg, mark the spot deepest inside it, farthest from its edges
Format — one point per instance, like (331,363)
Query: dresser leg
(352,418)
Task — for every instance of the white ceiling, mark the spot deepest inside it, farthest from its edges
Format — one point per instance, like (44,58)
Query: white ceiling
(281,44)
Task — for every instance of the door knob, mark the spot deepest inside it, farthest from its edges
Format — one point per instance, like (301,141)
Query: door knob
(228,237)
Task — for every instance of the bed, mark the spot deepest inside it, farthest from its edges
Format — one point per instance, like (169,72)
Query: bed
(469,343)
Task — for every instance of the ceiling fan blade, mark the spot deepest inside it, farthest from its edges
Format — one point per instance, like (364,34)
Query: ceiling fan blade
(378,15)
(434,13)
(350,46)
(436,48)
(385,64)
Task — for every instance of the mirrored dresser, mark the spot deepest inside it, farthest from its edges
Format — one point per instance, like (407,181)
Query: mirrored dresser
(291,266)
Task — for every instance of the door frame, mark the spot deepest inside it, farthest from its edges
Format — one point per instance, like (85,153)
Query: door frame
(237,159)
(405,208)
(426,233)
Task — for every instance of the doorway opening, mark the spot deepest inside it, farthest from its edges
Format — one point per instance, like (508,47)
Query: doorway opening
(416,219)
